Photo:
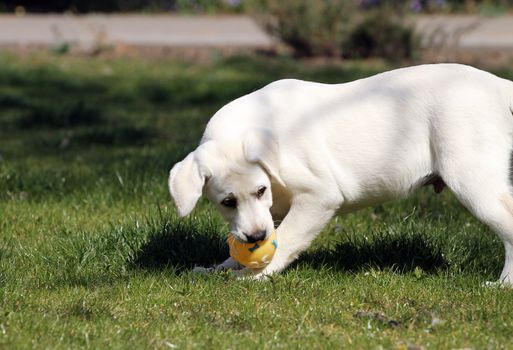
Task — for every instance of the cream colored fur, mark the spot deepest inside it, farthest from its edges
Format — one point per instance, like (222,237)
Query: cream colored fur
(321,149)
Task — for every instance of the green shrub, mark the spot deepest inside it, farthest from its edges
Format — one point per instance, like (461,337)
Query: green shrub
(340,28)
(310,27)
(382,33)
(209,6)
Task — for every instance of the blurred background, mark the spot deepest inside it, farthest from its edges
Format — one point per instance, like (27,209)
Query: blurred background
(421,30)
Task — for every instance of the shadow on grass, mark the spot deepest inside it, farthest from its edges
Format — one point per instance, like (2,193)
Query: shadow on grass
(402,253)
(184,247)
(58,115)
(175,247)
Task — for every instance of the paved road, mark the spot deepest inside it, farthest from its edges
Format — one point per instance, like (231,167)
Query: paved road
(467,32)
(457,32)
(137,30)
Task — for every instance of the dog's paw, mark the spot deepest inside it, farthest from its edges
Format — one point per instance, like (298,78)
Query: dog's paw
(262,276)
(203,270)
(496,284)
(249,275)
(242,274)
(237,272)
(229,266)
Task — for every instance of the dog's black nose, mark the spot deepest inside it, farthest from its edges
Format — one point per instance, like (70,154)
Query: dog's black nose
(257,236)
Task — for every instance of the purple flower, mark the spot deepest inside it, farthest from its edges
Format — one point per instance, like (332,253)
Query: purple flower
(232,3)
(416,5)
(366,4)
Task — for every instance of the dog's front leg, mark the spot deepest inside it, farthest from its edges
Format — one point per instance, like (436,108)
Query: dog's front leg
(305,219)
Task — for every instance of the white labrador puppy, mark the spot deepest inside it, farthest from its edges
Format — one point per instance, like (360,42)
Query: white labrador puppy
(297,152)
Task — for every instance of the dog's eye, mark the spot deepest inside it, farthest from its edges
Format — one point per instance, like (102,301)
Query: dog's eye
(261,191)
(229,202)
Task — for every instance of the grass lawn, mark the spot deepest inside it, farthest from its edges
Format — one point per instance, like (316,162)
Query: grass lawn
(92,254)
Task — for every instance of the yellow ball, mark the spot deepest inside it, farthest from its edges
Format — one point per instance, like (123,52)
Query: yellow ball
(253,255)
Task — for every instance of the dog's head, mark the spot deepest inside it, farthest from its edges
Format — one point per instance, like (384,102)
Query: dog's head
(236,177)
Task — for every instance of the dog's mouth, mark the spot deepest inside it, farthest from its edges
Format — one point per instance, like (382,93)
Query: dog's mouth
(238,238)
(249,239)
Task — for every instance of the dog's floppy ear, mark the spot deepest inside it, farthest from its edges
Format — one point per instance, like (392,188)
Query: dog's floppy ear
(260,147)
(186,181)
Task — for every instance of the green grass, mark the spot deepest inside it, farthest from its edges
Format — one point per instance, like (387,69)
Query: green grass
(92,254)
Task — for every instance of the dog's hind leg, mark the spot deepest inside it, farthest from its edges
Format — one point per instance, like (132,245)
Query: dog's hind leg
(507,238)
(482,185)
